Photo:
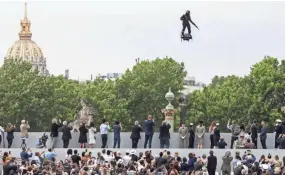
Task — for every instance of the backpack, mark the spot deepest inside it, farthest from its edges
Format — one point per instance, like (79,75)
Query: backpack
(236,130)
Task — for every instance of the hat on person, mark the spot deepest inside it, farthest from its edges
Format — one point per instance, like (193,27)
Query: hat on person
(278,121)
(127,151)
(191,124)
(217,124)
(132,151)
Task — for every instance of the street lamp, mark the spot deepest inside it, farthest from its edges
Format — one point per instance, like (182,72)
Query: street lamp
(169,110)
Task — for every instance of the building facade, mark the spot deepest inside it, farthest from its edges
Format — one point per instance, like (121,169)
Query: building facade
(25,49)
(191,85)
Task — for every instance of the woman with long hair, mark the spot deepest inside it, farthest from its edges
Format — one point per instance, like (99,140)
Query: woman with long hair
(10,134)
(92,137)
(211,131)
(83,135)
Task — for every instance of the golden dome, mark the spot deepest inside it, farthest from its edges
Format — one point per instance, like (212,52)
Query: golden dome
(26,49)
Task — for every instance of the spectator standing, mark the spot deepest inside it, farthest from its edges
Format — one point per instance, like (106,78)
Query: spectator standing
(254,133)
(164,134)
(24,128)
(200,132)
(104,129)
(66,134)
(211,131)
(263,135)
(212,163)
(117,134)
(235,129)
(26,154)
(91,133)
(281,142)
(278,131)
(54,132)
(226,166)
(82,135)
(191,136)
(1,134)
(183,134)
(216,135)
(135,135)
(148,128)
(10,134)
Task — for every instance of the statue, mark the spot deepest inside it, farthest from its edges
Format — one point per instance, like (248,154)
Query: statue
(85,115)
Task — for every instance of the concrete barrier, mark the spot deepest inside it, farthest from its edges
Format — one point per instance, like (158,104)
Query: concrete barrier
(61,152)
(125,140)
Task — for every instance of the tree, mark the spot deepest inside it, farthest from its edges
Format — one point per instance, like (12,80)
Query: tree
(146,85)
(107,102)
(27,95)
(258,95)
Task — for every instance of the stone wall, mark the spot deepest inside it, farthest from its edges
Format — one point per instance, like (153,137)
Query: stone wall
(125,140)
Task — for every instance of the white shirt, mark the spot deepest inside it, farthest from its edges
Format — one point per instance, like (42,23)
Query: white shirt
(109,158)
(126,159)
(1,129)
(104,128)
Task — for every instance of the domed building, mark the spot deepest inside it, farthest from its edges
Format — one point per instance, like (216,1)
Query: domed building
(25,49)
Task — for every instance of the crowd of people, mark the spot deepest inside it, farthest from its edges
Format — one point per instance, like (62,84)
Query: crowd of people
(190,136)
(130,162)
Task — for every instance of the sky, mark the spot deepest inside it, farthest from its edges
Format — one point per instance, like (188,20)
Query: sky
(101,37)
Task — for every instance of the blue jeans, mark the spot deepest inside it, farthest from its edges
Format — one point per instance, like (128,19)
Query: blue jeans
(164,142)
(117,140)
(148,138)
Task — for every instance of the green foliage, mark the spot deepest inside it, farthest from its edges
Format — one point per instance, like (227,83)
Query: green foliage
(27,95)
(139,93)
(146,85)
(259,95)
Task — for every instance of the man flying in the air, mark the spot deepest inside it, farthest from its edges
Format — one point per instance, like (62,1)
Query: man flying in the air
(185,23)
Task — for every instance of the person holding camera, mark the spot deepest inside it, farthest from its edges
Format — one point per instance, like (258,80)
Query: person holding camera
(227,161)
(136,134)
(92,135)
(278,131)
(26,154)
(24,128)
(164,134)
(104,129)
(254,133)
(82,135)
(117,134)
(54,131)
(149,130)
(66,134)
(10,134)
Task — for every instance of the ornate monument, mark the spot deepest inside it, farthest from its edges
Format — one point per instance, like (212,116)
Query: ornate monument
(169,110)
(85,115)
(25,49)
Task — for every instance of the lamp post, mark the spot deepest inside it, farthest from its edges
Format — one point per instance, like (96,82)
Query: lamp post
(169,110)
